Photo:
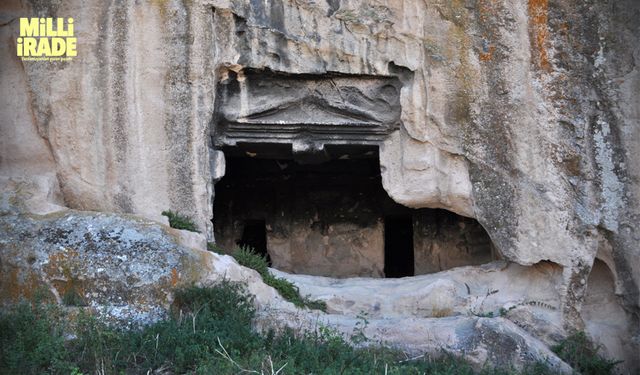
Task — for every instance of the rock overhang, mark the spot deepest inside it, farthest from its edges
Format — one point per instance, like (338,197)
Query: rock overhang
(307,111)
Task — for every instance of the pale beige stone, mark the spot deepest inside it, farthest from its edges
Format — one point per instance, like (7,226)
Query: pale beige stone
(530,128)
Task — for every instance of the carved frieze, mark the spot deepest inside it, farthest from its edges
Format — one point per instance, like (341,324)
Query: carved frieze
(265,107)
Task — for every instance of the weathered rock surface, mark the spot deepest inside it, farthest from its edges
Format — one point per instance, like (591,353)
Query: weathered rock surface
(124,269)
(528,296)
(482,341)
(521,114)
(479,290)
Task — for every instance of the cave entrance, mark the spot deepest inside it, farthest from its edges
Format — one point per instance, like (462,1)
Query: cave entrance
(330,216)
(398,246)
(254,236)
(307,214)
(302,183)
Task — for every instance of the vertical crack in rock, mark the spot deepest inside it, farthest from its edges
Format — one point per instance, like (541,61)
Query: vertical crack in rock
(488,141)
(179,123)
(120,95)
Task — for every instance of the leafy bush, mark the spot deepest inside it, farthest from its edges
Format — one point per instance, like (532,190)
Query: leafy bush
(180,222)
(291,293)
(245,256)
(31,342)
(580,353)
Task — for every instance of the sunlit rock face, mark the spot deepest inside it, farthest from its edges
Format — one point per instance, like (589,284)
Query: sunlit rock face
(521,115)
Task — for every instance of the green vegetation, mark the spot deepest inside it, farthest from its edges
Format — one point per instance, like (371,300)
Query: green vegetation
(31,342)
(72,298)
(209,332)
(580,353)
(504,312)
(180,222)
(249,258)
(211,246)
(488,314)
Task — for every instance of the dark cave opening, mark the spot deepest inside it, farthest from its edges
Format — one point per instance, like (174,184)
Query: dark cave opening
(254,236)
(398,246)
(332,217)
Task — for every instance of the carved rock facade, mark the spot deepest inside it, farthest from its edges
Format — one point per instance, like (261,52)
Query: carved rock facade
(521,115)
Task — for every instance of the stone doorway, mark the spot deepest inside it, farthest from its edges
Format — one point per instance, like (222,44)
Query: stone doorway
(398,246)
(254,236)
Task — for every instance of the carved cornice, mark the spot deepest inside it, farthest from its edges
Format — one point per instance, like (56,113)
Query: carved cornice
(265,107)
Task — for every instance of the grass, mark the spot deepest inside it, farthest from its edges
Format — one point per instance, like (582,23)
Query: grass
(209,332)
(291,293)
(72,298)
(30,342)
(583,356)
(245,256)
(178,221)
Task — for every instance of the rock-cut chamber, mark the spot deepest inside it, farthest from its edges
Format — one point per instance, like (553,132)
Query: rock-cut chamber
(302,184)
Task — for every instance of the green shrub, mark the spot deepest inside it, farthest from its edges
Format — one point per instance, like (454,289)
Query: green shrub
(31,341)
(180,222)
(203,319)
(291,293)
(209,332)
(211,246)
(73,298)
(97,348)
(580,354)
(245,256)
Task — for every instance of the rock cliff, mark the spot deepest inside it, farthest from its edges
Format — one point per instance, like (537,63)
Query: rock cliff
(523,115)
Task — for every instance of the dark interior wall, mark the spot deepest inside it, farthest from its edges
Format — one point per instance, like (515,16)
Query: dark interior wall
(335,218)
(321,219)
(444,240)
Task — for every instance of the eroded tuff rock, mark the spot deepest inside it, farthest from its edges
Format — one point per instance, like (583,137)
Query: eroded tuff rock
(521,114)
(124,269)
(528,296)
